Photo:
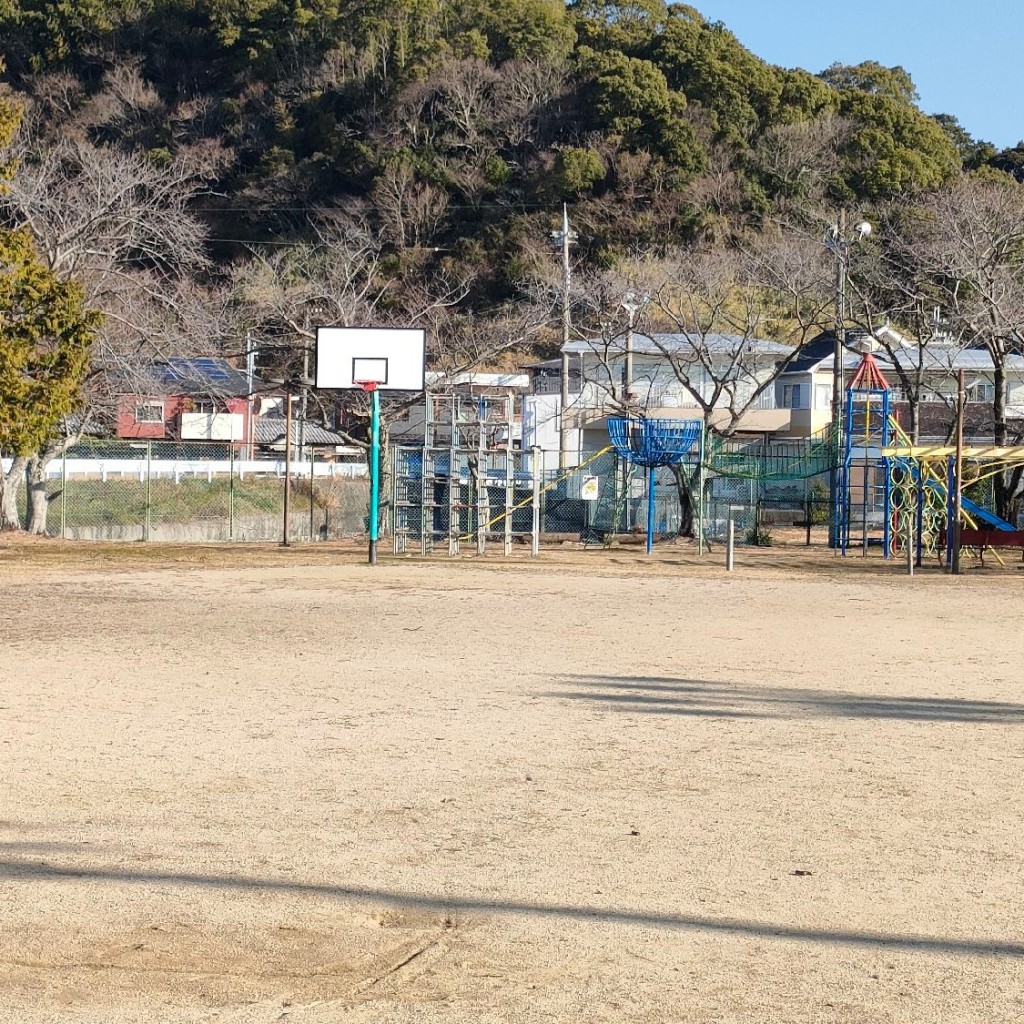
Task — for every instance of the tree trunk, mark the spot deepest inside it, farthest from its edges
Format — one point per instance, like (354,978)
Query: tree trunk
(683,489)
(915,420)
(37,499)
(9,484)
(1003,486)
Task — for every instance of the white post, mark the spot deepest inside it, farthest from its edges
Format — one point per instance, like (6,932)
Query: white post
(730,544)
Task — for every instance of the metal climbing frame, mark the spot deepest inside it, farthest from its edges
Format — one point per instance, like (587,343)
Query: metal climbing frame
(655,443)
(464,484)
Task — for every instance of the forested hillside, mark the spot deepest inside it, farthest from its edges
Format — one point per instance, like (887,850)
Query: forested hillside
(456,127)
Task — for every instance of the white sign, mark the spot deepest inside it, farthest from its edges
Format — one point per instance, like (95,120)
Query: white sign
(590,488)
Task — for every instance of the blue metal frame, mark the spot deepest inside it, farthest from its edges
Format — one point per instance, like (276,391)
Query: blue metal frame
(654,443)
(873,402)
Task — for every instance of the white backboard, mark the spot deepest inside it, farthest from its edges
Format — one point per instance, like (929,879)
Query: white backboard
(394,358)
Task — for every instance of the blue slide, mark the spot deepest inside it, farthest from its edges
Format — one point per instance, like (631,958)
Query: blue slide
(975,511)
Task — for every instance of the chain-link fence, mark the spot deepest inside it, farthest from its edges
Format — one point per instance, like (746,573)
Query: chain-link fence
(199,491)
(437,499)
(769,512)
(449,500)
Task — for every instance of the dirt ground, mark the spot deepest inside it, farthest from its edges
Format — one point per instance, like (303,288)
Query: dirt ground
(252,785)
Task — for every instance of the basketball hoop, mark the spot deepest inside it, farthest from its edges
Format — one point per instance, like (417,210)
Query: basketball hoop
(374,360)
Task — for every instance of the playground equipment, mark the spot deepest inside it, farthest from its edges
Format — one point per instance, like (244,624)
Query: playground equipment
(656,443)
(864,493)
(466,482)
(894,493)
(923,480)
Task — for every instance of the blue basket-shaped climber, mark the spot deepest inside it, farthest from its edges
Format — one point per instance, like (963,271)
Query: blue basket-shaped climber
(653,443)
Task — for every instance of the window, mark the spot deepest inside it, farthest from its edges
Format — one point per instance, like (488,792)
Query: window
(982,393)
(794,395)
(204,405)
(823,396)
(149,412)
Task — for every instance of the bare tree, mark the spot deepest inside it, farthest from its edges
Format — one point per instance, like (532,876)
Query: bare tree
(410,209)
(122,227)
(341,280)
(968,243)
(720,325)
(724,305)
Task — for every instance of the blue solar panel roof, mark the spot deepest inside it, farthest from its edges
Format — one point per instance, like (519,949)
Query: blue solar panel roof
(204,375)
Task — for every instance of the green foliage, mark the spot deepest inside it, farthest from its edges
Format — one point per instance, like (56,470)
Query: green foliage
(973,152)
(395,110)
(46,335)
(874,78)
(805,97)
(578,170)
(707,63)
(630,26)
(526,29)
(819,504)
(894,149)
(1011,161)
(10,118)
(759,535)
(626,94)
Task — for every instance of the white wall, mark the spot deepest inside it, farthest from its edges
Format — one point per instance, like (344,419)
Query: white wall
(541,418)
(104,469)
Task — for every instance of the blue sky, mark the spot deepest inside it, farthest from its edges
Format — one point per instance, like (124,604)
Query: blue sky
(963,57)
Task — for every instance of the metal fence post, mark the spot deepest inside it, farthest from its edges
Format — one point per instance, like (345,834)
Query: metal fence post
(730,543)
(231,492)
(535,532)
(148,524)
(909,541)
(64,493)
(312,503)
(701,453)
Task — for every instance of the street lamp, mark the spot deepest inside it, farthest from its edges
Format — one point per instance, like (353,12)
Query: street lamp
(564,239)
(632,304)
(838,240)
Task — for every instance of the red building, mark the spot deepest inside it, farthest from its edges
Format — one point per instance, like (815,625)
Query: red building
(189,400)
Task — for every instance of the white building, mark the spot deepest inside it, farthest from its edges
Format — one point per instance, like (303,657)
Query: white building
(669,373)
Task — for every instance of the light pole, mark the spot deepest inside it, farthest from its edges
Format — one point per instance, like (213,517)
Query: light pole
(838,242)
(632,304)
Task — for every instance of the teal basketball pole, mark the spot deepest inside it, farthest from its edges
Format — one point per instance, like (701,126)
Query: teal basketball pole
(374,470)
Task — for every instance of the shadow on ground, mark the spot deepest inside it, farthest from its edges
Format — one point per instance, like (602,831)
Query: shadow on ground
(704,698)
(24,871)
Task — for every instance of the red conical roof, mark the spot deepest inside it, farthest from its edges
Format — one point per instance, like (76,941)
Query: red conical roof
(868,376)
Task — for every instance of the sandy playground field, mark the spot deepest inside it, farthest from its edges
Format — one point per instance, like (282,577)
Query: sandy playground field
(587,790)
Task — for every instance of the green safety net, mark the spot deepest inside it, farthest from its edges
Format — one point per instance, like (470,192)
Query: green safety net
(790,459)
